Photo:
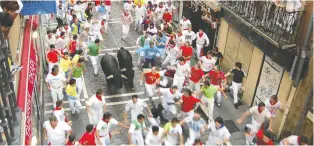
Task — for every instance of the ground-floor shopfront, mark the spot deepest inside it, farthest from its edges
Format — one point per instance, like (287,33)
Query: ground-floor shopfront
(264,77)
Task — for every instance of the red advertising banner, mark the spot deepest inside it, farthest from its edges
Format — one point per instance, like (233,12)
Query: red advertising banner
(27,81)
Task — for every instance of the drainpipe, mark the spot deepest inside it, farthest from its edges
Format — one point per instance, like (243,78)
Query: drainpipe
(304,112)
(297,79)
(303,52)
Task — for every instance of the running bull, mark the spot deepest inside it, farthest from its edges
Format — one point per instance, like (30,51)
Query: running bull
(126,66)
(110,67)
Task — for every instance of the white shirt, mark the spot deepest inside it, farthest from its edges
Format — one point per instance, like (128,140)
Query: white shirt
(173,52)
(217,135)
(273,108)
(104,128)
(126,20)
(168,96)
(152,30)
(55,82)
(67,32)
(189,36)
(202,40)
(170,8)
(152,139)
(293,140)
(134,131)
(140,12)
(135,108)
(59,114)
(182,70)
(173,132)
(185,24)
(56,136)
(128,6)
(259,117)
(160,12)
(96,104)
(207,64)
(61,43)
(49,41)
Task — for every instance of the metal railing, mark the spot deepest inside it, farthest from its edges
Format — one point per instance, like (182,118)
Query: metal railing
(8,106)
(273,20)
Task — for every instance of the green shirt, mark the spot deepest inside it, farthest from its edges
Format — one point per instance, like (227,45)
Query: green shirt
(209,92)
(93,49)
(74,29)
(77,71)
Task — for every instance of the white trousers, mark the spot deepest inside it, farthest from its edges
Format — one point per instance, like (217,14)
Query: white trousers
(97,115)
(137,139)
(218,94)
(169,59)
(108,8)
(169,108)
(178,81)
(235,88)
(186,116)
(138,22)
(94,60)
(209,103)
(56,94)
(105,140)
(192,136)
(51,65)
(195,86)
(79,86)
(125,30)
(198,50)
(150,89)
(75,105)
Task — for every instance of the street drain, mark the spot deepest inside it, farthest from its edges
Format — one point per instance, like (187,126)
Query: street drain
(231,126)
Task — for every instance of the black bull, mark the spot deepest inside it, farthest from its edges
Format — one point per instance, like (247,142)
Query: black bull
(126,66)
(112,72)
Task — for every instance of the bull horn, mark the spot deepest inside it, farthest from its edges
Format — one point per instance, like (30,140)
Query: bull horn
(109,77)
(123,69)
(123,76)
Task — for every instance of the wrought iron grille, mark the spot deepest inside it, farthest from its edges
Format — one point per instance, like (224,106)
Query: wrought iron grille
(8,104)
(274,21)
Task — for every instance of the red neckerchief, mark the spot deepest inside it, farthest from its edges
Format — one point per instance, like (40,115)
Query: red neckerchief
(66,28)
(54,74)
(79,65)
(125,14)
(273,103)
(57,108)
(99,97)
(201,34)
(161,6)
(107,124)
(207,57)
(171,91)
(102,23)
(49,36)
(199,144)
(259,110)
(185,19)
(299,140)
(182,64)
(172,46)
(179,34)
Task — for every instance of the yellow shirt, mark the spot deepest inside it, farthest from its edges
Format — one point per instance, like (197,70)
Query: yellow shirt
(10,63)
(71,90)
(65,64)
(143,2)
(75,58)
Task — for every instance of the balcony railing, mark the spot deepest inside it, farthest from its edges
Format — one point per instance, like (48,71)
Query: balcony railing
(272,20)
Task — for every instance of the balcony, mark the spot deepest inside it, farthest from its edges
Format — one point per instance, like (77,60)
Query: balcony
(266,19)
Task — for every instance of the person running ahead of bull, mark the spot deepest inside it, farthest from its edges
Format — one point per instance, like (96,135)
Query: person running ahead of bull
(150,54)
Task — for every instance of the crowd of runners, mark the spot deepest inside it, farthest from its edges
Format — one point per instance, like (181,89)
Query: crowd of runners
(165,53)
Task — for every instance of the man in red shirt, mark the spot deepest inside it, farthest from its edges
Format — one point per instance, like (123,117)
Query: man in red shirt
(167,16)
(151,80)
(88,137)
(188,102)
(195,78)
(186,52)
(72,46)
(218,79)
(52,57)
(264,138)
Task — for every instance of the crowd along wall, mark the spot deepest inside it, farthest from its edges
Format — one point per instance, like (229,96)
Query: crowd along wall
(235,47)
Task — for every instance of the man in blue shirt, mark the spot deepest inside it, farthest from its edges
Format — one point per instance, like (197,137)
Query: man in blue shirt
(102,11)
(150,54)
(161,43)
